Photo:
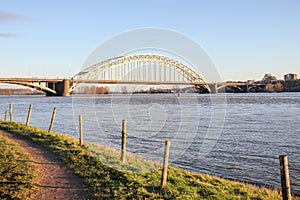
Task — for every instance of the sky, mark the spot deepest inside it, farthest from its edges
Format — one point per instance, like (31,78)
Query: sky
(244,38)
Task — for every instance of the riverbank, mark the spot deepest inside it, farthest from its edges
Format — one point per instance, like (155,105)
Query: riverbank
(108,182)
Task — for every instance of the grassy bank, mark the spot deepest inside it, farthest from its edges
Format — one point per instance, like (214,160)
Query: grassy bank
(114,181)
(16,172)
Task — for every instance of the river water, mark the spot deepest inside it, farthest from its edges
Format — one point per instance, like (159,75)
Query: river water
(236,136)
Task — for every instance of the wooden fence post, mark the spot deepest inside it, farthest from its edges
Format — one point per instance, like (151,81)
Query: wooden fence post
(80,131)
(10,113)
(5,116)
(52,120)
(28,116)
(123,148)
(165,164)
(285,178)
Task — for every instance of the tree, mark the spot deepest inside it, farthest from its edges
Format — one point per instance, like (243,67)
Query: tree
(102,90)
(278,87)
(269,88)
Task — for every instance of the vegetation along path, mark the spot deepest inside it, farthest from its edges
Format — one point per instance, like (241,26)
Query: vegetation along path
(53,179)
(105,176)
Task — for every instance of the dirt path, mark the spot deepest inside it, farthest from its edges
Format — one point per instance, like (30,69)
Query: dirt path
(55,180)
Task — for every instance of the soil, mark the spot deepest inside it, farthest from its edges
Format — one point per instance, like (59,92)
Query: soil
(54,180)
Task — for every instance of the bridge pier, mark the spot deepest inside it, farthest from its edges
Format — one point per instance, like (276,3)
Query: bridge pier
(61,88)
(214,88)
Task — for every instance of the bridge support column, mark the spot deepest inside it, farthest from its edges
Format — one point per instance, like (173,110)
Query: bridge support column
(61,88)
(213,88)
(66,88)
(216,88)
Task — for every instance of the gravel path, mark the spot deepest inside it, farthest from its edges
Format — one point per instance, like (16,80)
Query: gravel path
(55,181)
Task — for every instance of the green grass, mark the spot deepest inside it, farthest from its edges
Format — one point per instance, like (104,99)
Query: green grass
(16,172)
(107,178)
(111,158)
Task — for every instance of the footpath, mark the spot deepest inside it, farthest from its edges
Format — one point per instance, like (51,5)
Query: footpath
(54,180)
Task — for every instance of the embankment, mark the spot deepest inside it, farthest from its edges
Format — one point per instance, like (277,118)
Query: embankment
(107,182)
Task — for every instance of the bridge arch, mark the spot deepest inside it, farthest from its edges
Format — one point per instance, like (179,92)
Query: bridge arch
(36,86)
(233,86)
(52,87)
(257,88)
(142,68)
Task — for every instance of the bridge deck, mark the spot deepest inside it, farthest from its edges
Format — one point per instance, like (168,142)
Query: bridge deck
(31,79)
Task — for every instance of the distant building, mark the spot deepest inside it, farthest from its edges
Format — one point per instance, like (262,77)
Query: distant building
(268,78)
(250,82)
(290,77)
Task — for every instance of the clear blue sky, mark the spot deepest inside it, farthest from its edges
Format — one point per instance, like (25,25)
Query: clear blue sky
(245,38)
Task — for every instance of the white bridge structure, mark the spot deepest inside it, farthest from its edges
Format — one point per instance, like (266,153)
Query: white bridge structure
(150,69)
(141,69)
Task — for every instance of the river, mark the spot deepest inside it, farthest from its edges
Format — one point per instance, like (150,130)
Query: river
(236,136)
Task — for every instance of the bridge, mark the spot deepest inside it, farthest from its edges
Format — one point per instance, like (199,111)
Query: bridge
(137,69)
(52,87)
(237,86)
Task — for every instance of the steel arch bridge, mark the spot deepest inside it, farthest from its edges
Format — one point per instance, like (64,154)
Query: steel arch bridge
(148,69)
(141,69)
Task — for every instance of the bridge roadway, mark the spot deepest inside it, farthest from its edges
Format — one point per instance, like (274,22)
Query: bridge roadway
(63,87)
(51,86)
(150,69)
(34,79)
